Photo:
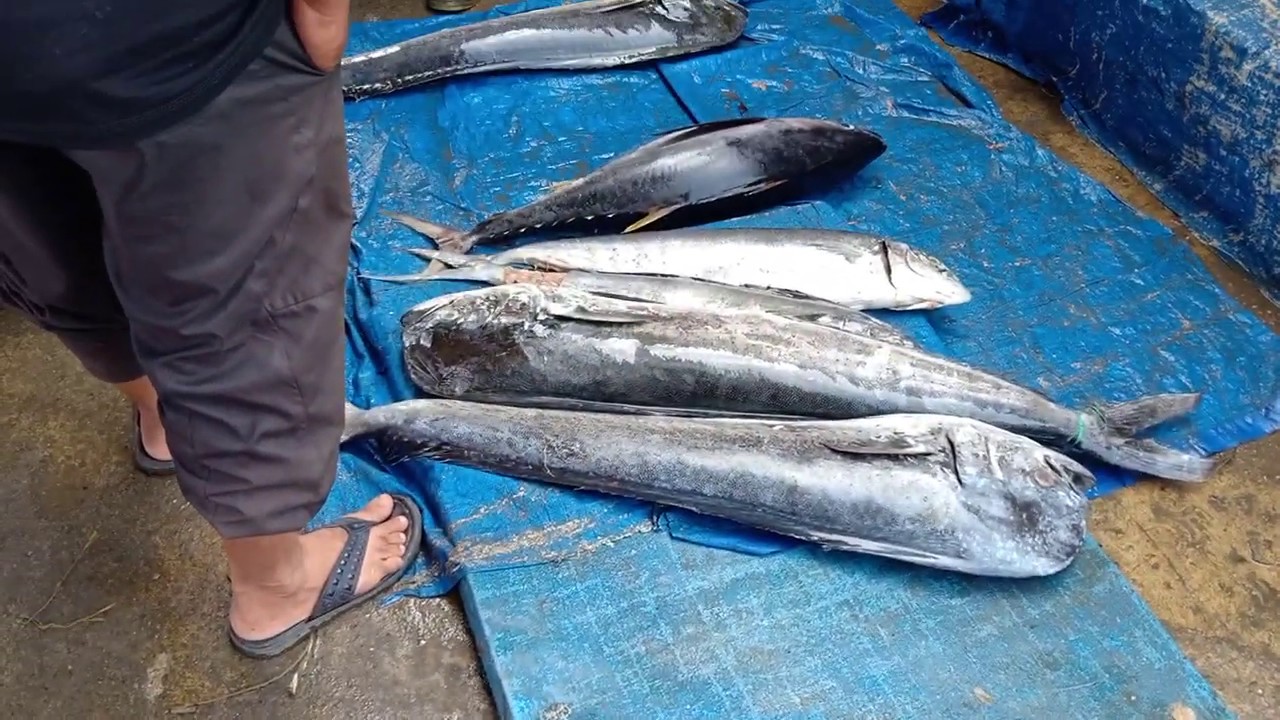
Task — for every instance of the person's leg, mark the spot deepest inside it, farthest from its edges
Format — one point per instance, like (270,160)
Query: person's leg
(52,273)
(227,240)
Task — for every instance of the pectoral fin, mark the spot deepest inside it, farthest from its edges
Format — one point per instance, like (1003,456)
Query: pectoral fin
(653,216)
(602,312)
(878,445)
(763,186)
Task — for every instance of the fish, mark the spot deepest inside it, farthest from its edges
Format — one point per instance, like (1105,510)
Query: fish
(854,270)
(678,291)
(938,491)
(577,36)
(559,348)
(689,166)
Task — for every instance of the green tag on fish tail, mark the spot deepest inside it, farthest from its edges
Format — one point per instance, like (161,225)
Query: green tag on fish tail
(1082,421)
(1082,426)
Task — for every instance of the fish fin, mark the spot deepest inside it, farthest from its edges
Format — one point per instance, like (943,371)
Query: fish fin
(762,186)
(624,297)
(1160,461)
(396,279)
(452,259)
(356,422)
(446,238)
(474,272)
(690,131)
(459,267)
(561,403)
(1134,416)
(587,313)
(878,445)
(615,6)
(432,231)
(653,216)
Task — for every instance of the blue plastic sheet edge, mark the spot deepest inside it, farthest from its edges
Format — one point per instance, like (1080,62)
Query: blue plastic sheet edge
(1193,122)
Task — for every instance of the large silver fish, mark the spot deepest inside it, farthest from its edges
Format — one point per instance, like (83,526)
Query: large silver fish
(858,271)
(690,166)
(521,344)
(575,36)
(939,491)
(678,291)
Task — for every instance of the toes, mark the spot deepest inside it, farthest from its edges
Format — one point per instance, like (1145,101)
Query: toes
(397,538)
(377,510)
(390,564)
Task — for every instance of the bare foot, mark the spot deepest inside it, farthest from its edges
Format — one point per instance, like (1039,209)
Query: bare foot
(261,612)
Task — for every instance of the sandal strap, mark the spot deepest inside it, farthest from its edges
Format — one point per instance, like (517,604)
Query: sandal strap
(340,588)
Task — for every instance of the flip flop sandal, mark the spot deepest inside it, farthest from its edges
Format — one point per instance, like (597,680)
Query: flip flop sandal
(339,593)
(142,459)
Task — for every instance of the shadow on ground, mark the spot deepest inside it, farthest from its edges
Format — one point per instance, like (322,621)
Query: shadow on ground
(84,532)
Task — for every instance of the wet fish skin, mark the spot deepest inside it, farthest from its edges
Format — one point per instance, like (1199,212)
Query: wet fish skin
(677,291)
(689,166)
(577,36)
(521,344)
(938,491)
(855,270)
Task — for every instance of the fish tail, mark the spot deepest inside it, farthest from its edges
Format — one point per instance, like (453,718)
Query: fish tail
(432,231)
(458,247)
(398,279)
(1151,458)
(447,257)
(484,270)
(357,422)
(447,239)
(474,272)
(1132,417)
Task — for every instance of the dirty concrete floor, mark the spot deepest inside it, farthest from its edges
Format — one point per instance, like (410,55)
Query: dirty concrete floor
(88,533)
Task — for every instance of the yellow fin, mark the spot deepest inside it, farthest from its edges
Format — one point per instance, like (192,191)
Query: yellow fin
(653,216)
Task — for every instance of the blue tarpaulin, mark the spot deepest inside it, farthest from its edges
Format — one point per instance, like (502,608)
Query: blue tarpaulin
(1185,92)
(1075,294)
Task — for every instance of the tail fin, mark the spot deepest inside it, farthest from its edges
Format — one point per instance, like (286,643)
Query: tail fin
(452,259)
(477,272)
(1152,458)
(356,422)
(445,238)
(1132,417)
(461,267)
(400,279)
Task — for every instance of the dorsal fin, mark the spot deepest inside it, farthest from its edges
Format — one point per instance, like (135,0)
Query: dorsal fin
(607,7)
(706,128)
(879,444)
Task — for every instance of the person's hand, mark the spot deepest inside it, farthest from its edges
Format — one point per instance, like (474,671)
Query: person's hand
(323,26)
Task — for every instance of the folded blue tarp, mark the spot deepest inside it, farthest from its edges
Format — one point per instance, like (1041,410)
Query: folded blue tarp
(1074,294)
(1185,92)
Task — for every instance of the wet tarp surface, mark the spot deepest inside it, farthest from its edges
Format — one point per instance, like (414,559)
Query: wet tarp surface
(1185,92)
(1074,294)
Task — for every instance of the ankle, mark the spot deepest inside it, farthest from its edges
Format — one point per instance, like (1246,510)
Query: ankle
(266,566)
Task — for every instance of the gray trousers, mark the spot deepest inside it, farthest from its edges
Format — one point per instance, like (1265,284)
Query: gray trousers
(211,257)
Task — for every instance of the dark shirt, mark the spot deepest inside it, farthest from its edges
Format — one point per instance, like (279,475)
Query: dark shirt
(90,73)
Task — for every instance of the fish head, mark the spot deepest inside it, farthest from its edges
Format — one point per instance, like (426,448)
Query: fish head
(453,342)
(851,148)
(1028,500)
(921,280)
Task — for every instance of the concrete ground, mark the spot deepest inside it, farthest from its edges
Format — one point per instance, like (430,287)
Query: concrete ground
(85,533)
